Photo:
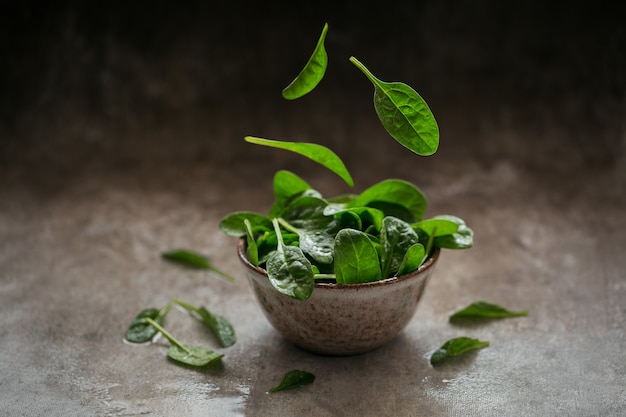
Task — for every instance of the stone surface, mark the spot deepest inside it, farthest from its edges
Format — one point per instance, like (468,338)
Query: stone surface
(121,137)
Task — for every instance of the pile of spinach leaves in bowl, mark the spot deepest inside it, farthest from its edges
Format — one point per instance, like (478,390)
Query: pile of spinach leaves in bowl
(374,235)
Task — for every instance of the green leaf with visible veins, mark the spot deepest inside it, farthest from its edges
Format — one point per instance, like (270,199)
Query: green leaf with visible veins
(404,114)
(312,73)
(318,153)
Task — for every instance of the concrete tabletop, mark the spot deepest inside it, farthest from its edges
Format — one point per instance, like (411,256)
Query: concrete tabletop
(121,138)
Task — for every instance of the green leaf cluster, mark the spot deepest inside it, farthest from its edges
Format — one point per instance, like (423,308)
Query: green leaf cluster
(150,322)
(377,234)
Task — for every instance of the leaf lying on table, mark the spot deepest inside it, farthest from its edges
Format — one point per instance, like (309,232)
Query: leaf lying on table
(294,379)
(455,347)
(197,356)
(484,310)
(139,330)
(191,259)
(219,326)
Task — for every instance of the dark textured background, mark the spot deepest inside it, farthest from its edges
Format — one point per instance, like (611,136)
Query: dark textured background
(98,85)
(121,137)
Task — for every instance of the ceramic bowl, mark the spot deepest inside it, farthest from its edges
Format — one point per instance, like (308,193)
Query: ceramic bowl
(341,319)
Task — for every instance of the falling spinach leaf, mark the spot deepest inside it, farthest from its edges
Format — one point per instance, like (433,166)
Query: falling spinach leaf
(312,73)
(194,260)
(404,114)
(139,330)
(219,326)
(318,153)
(294,379)
(484,310)
(196,356)
(455,347)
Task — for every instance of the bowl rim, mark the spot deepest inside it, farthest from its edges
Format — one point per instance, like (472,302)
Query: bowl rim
(429,264)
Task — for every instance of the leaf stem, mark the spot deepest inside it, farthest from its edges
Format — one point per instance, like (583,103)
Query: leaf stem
(165,333)
(185,305)
(365,71)
(279,236)
(285,224)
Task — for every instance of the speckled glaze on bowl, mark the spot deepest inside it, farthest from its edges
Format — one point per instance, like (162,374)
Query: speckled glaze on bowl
(341,319)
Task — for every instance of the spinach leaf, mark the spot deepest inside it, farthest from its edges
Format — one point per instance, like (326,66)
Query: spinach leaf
(356,258)
(317,153)
(289,271)
(484,310)
(463,238)
(252,250)
(312,73)
(393,191)
(318,244)
(455,347)
(367,215)
(437,227)
(286,186)
(196,356)
(413,259)
(194,260)
(396,237)
(139,330)
(307,212)
(404,114)
(294,379)
(218,325)
(234,225)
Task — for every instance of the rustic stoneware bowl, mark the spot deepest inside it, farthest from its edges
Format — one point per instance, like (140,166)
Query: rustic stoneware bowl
(341,319)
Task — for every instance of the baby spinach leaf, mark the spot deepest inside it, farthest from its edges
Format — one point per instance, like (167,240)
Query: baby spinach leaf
(396,237)
(356,258)
(307,212)
(196,356)
(317,244)
(294,379)
(485,310)
(252,251)
(218,325)
(413,259)
(286,186)
(194,260)
(437,227)
(404,114)
(312,73)
(463,238)
(185,354)
(317,153)
(393,191)
(233,224)
(289,271)
(139,330)
(455,347)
